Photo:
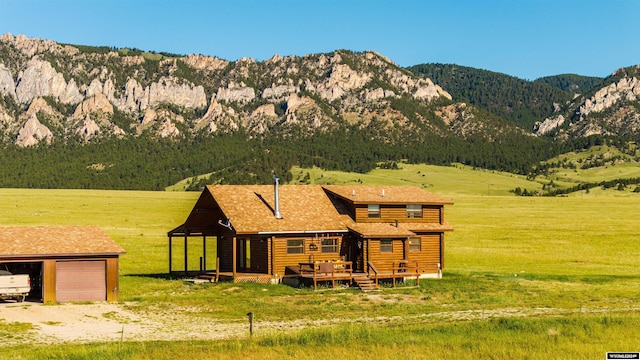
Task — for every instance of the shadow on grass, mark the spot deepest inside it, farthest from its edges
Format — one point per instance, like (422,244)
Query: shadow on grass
(587,279)
(161,276)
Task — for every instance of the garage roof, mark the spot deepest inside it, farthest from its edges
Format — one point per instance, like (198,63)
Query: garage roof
(47,241)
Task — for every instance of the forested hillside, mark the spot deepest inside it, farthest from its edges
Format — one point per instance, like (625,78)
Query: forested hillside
(520,101)
(152,164)
(100,117)
(572,83)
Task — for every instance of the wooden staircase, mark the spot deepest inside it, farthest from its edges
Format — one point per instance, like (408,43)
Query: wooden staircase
(364,283)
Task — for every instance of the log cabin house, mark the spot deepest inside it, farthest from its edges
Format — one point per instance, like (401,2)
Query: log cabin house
(310,234)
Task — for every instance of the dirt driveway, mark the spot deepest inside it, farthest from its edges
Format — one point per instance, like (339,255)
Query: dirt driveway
(109,322)
(105,322)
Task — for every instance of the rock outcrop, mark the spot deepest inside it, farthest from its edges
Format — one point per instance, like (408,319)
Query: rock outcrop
(97,103)
(612,110)
(218,118)
(278,92)
(548,125)
(7,85)
(239,93)
(41,79)
(89,128)
(33,132)
(170,90)
(626,89)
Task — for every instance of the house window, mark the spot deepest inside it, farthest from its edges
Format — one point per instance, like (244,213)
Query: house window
(386,245)
(414,211)
(295,246)
(374,211)
(330,245)
(415,244)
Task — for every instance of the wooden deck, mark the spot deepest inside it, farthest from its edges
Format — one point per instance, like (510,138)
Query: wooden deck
(326,271)
(213,276)
(394,270)
(330,272)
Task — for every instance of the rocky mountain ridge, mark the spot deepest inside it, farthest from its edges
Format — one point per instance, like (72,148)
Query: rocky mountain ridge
(92,95)
(610,109)
(54,93)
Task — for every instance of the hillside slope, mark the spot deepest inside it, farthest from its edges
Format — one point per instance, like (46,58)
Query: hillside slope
(612,108)
(100,117)
(519,101)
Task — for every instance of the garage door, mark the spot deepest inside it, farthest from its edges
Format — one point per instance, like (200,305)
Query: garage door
(80,281)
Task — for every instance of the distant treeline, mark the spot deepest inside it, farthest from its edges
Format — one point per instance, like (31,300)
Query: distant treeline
(148,163)
(618,184)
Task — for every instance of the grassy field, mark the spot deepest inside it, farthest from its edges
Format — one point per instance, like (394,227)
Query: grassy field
(525,277)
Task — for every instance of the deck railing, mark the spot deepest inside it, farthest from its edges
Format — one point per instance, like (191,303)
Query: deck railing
(398,269)
(327,271)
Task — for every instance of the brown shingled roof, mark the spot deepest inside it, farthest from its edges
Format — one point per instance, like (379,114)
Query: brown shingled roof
(369,230)
(250,208)
(426,227)
(56,240)
(392,194)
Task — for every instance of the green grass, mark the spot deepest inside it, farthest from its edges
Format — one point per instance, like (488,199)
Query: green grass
(451,181)
(571,337)
(566,266)
(612,169)
(15,331)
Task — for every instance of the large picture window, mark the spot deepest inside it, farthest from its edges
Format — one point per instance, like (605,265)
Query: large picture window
(386,245)
(373,211)
(330,245)
(414,211)
(295,246)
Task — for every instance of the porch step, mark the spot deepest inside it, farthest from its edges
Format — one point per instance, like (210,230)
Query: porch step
(208,277)
(365,284)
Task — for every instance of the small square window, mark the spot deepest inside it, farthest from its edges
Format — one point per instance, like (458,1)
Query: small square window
(373,211)
(330,245)
(414,211)
(386,245)
(295,246)
(415,244)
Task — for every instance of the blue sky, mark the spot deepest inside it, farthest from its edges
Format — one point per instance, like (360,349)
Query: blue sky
(523,38)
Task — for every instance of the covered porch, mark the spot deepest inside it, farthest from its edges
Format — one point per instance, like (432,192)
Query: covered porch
(219,255)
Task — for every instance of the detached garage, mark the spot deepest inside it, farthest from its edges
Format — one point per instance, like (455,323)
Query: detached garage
(65,263)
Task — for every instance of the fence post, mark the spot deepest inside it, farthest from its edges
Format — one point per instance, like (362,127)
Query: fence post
(250,315)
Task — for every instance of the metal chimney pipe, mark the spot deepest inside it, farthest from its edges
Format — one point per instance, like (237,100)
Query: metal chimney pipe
(276,196)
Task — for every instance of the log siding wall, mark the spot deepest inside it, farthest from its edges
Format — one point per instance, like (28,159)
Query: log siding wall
(281,259)
(391,213)
(376,255)
(430,255)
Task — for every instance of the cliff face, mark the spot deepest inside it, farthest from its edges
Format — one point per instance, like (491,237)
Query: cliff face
(53,93)
(88,90)
(612,108)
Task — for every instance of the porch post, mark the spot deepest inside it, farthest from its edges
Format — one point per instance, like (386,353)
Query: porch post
(405,251)
(204,251)
(366,242)
(186,266)
(170,254)
(234,246)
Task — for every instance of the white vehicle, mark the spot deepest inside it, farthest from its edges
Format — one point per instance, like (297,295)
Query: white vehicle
(12,286)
